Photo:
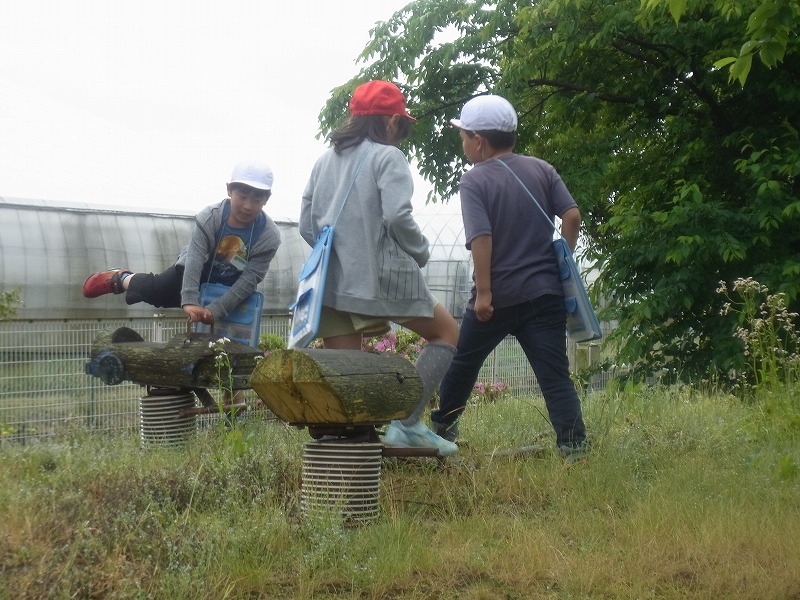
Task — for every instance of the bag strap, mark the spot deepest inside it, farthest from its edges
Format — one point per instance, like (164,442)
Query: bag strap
(535,201)
(352,182)
(226,211)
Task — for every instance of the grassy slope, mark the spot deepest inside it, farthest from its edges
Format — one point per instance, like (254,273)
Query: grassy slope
(687,495)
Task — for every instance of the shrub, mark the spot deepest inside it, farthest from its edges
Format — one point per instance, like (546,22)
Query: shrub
(270,342)
(482,392)
(9,300)
(403,342)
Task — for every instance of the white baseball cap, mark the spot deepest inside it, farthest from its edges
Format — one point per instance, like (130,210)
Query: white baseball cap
(487,113)
(256,175)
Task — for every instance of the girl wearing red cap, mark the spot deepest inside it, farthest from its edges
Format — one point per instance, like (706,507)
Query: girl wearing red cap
(374,274)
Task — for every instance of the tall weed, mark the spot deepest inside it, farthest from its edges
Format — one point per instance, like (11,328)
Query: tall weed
(768,332)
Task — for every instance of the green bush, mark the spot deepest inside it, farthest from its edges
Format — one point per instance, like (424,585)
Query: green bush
(9,301)
(272,341)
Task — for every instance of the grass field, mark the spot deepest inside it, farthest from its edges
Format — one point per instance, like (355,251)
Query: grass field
(686,494)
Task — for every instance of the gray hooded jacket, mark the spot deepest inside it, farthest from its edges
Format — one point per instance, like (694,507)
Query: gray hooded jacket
(201,246)
(378,248)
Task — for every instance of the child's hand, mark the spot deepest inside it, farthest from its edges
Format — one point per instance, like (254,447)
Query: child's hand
(198,314)
(483,307)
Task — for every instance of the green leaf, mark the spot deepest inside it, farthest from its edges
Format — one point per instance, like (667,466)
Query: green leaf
(791,269)
(724,62)
(772,53)
(791,209)
(761,15)
(676,9)
(741,68)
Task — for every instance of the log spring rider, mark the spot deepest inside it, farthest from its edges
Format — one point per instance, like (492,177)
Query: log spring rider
(340,396)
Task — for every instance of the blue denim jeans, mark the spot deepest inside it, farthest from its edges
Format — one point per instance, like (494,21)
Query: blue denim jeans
(540,328)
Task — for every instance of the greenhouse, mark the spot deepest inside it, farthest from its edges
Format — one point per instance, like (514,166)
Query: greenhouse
(49,248)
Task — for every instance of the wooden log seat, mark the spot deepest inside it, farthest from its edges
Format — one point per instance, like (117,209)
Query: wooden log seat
(186,361)
(328,387)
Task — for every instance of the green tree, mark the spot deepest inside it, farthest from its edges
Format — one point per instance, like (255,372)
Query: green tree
(684,177)
(769,27)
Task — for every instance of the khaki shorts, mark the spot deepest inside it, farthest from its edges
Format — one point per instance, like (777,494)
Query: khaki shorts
(334,322)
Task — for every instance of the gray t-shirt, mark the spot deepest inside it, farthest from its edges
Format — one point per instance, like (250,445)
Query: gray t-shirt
(494,203)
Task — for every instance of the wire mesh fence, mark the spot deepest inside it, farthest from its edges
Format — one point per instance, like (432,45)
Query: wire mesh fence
(45,391)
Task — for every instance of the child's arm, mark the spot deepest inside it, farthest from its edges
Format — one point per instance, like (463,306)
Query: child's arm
(482,261)
(571,226)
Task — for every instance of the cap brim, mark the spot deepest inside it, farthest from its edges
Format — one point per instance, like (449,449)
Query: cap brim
(259,185)
(457,123)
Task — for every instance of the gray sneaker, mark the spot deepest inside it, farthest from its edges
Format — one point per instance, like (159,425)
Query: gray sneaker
(574,453)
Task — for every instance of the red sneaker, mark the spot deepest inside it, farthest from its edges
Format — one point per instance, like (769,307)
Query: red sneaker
(106,282)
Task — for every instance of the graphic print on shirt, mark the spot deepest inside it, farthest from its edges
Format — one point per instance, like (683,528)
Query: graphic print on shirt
(230,258)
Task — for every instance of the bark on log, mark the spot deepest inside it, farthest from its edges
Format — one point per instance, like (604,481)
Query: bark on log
(186,361)
(323,387)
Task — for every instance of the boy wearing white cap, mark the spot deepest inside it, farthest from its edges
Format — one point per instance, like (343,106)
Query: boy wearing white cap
(233,243)
(517,288)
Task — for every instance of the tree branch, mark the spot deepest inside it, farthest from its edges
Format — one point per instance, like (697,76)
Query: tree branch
(572,87)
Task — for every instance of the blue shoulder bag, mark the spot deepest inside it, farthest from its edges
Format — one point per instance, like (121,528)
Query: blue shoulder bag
(582,322)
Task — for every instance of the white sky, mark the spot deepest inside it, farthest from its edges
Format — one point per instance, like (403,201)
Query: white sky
(150,103)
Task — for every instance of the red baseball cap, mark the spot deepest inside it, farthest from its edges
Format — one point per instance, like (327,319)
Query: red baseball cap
(378,98)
